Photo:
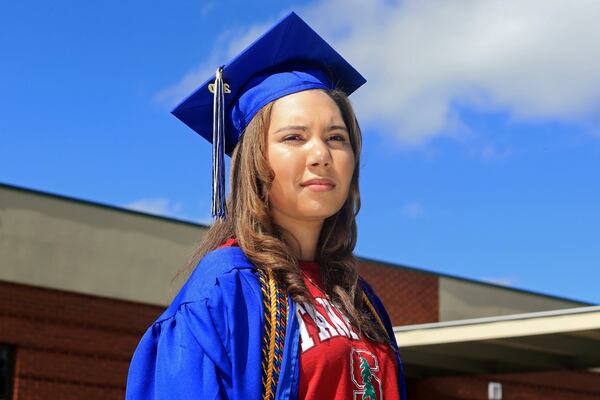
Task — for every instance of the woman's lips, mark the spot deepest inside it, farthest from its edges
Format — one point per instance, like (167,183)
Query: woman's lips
(319,187)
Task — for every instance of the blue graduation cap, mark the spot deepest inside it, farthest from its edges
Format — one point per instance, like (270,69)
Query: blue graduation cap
(288,58)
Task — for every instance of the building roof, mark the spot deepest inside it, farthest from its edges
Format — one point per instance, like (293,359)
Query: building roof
(539,341)
(103,212)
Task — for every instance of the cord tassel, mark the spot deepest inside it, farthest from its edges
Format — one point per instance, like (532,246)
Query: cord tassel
(218,152)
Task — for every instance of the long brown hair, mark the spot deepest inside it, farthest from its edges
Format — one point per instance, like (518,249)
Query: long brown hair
(249,221)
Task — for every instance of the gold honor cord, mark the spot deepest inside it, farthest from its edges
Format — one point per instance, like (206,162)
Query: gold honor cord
(275,312)
(373,311)
(275,304)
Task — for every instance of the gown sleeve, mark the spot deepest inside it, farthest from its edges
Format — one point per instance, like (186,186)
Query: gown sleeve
(182,356)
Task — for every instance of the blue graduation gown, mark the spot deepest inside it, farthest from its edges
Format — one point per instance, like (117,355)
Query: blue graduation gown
(207,344)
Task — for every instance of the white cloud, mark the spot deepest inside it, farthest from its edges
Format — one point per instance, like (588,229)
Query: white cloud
(503,281)
(227,46)
(207,219)
(207,7)
(172,95)
(167,208)
(413,209)
(157,206)
(490,152)
(534,59)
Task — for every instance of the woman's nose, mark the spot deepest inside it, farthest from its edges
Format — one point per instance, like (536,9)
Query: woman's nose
(319,154)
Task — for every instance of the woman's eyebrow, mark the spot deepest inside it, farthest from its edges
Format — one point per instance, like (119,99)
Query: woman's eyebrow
(336,127)
(291,128)
(304,128)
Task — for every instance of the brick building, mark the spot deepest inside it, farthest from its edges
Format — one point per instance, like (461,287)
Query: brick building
(80,282)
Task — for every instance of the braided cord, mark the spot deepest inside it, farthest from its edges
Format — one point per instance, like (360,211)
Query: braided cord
(367,301)
(271,385)
(275,307)
(264,288)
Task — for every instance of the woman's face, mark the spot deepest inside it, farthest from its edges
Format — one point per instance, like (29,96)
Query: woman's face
(309,150)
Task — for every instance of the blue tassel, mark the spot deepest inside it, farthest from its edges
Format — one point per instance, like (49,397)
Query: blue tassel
(218,149)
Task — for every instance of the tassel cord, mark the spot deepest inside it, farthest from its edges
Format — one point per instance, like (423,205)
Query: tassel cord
(218,151)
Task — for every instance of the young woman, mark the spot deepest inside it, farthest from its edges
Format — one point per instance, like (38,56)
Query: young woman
(275,307)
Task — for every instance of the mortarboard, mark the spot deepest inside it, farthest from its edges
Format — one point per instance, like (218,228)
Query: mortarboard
(290,57)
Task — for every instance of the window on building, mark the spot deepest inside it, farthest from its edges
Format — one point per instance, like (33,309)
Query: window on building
(7,366)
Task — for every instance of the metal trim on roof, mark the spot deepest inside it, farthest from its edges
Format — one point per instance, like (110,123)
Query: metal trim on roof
(541,341)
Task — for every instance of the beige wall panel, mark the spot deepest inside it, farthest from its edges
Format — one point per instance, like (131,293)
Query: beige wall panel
(76,246)
(60,243)
(466,299)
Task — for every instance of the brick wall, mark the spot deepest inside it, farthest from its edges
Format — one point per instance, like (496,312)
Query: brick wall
(74,346)
(410,297)
(563,385)
(70,346)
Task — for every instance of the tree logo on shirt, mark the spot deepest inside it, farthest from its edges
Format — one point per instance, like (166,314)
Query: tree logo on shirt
(366,374)
(364,367)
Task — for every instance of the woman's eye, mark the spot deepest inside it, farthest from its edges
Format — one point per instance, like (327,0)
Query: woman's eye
(292,138)
(337,138)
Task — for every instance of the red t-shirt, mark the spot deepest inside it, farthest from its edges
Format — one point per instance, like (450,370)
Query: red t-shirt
(335,361)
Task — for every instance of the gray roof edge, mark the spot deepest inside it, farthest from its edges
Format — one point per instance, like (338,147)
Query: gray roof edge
(100,205)
(510,317)
(475,281)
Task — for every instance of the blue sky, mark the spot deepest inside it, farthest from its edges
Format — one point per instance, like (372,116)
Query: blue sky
(480,121)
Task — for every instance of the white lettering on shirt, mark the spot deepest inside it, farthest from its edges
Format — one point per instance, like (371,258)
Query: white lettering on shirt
(305,338)
(344,328)
(326,329)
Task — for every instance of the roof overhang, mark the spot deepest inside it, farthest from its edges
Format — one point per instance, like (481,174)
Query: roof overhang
(541,341)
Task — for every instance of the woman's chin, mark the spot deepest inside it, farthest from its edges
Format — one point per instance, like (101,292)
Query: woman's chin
(319,213)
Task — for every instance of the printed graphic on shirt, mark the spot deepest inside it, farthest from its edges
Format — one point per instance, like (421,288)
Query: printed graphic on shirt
(330,324)
(365,375)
